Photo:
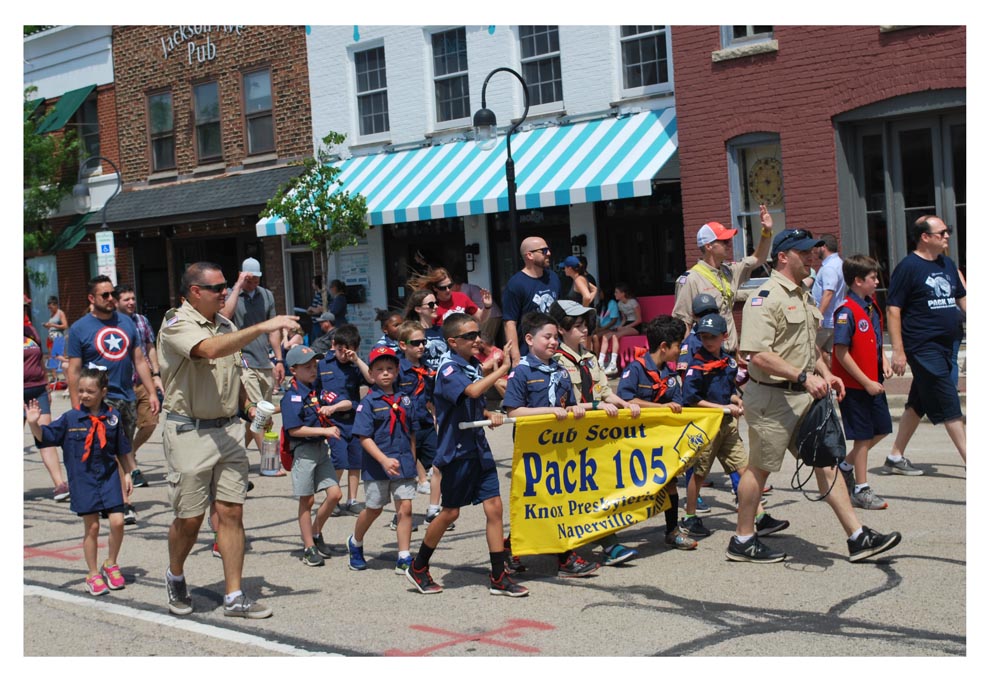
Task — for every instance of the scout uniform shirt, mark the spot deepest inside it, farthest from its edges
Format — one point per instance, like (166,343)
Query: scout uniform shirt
(534,383)
(783,319)
(199,388)
(344,381)
(300,407)
(384,417)
(418,382)
(710,377)
(586,375)
(90,456)
(721,284)
(453,407)
(642,379)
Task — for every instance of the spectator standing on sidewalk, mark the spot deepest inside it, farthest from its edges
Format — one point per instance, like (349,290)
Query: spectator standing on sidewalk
(828,290)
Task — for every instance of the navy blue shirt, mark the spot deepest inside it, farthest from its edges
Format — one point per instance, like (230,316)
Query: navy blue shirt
(344,381)
(436,348)
(338,306)
(300,407)
(373,419)
(388,341)
(454,406)
(523,294)
(690,346)
(529,386)
(636,383)
(408,382)
(108,344)
(926,292)
(94,485)
(714,384)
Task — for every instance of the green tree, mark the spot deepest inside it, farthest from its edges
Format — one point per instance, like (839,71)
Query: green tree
(49,160)
(316,208)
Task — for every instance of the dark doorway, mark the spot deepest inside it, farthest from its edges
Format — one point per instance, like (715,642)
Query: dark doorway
(151,279)
(415,247)
(553,224)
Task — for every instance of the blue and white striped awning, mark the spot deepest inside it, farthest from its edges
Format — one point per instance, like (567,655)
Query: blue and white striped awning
(613,158)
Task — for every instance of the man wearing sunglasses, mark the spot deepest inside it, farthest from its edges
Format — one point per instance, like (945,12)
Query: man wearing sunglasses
(534,288)
(924,304)
(324,343)
(200,354)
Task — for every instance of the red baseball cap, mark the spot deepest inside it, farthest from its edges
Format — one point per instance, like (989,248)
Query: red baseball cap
(379,352)
(713,232)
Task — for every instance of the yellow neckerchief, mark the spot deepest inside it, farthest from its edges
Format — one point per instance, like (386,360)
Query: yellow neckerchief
(720,281)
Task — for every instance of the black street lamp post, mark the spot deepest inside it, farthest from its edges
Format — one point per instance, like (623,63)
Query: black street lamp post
(80,192)
(485,136)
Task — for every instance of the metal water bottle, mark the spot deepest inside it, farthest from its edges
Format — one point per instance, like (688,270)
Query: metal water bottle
(269,454)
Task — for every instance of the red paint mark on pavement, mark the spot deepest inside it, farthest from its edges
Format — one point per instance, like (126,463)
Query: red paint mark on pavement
(61,554)
(511,629)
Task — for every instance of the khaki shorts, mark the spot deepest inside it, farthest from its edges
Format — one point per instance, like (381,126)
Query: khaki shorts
(144,416)
(774,417)
(727,446)
(204,465)
(258,383)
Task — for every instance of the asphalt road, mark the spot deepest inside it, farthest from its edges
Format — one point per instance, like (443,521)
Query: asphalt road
(911,602)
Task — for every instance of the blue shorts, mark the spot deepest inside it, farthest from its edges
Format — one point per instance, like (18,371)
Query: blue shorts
(426,445)
(864,416)
(40,393)
(932,391)
(467,481)
(346,453)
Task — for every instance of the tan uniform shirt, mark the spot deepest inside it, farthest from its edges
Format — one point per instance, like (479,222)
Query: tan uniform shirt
(781,318)
(195,387)
(601,390)
(730,276)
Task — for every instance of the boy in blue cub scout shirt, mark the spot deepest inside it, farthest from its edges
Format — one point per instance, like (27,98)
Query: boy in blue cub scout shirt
(467,467)
(342,373)
(539,385)
(307,426)
(383,426)
(390,330)
(648,382)
(710,381)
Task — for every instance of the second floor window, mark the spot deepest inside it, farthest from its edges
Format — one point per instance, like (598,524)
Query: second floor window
(369,67)
(539,48)
(450,75)
(737,35)
(258,112)
(207,101)
(162,129)
(645,62)
(88,126)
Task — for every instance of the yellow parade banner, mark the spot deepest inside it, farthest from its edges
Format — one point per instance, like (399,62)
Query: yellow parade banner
(578,480)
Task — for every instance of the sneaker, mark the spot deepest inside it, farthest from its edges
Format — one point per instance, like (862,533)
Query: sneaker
(112,575)
(401,564)
(767,525)
(138,480)
(311,557)
(96,586)
(356,560)
(850,478)
(903,467)
(338,510)
(216,550)
(130,515)
(752,550)
(61,492)
(429,518)
(871,542)
(694,527)
(575,567)
(867,499)
(619,554)
(179,601)
(321,547)
(678,539)
(701,507)
(354,507)
(611,370)
(394,523)
(503,586)
(423,488)
(242,607)
(423,581)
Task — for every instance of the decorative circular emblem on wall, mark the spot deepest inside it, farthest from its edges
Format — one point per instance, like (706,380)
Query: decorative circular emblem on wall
(766,182)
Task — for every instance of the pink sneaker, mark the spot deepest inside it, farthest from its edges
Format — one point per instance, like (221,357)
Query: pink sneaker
(95,585)
(113,576)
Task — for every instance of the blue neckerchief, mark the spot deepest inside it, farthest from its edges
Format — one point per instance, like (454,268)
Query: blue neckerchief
(552,372)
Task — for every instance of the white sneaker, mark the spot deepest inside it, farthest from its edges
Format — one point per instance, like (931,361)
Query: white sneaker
(423,488)
(611,370)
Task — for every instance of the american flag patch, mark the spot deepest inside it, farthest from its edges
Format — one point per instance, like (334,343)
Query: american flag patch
(756,301)
(690,372)
(172,320)
(448,370)
(625,374)
(295,398)
(359,407)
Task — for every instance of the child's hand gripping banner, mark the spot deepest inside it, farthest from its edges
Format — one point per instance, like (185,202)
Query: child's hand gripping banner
(578,480)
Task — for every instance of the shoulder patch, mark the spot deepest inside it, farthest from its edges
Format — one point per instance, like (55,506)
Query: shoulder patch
(448,370)
(765,292)
(682,279)
(295,398)
(863,326)
(756,301)
(171,320)
(359,407)
(625,374)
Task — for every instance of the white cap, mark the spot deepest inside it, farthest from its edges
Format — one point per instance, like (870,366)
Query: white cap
(251,266)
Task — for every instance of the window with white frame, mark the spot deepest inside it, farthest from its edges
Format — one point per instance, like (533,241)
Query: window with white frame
(372,94)
(258,112)
(646,64)
(756,177)
(162,131)
(539,50)
(450,78)
(206,98)
(742,35)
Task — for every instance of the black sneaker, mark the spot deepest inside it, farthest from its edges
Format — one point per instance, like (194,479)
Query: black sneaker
(137,479)
(504,586)
(752,550)
(394,524)
(311,557)
(767,525)
(694,527)
(575,567)
(513,564)
(871,542)
(429,519)
(250,486)
(179,601)
(423,581)
(130,515)
(321,547)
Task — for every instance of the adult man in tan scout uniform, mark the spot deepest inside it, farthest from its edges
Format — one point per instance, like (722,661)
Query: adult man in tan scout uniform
(712,275)
(787,372)
(199,352)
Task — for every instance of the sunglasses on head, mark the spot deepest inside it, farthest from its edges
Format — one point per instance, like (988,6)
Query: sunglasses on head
(468,336)
(444,287)
(215,288)
(416,343)
(108,294)
(800,234)
(545,250)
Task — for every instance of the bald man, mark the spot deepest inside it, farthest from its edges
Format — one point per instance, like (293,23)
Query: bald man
(535,287)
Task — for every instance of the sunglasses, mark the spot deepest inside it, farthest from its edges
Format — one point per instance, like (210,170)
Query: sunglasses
(444,287)
(545,250)
(941,233)
(108,294)
(416,343)
(215,288)
(431,304)
(469,336)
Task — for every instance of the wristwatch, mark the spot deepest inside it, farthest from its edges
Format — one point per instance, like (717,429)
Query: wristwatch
(802,377)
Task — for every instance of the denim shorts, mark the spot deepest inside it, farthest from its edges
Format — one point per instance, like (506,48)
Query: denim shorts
(932,391)
(865,416)
(39,393)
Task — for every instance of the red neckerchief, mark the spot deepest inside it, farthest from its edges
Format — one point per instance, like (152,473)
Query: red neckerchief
(711,365)
(312,400)
(659,385)
(396,413)
(96,428)
(422,374)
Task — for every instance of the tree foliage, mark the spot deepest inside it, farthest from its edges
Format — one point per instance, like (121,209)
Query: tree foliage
(49,160)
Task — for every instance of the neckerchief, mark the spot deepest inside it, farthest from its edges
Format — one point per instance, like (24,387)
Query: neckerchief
(396,413)
(312,400)
(710,365)
(719,281)
(422,374)
(659,385)
(584,370)
(553,378)
(96,428)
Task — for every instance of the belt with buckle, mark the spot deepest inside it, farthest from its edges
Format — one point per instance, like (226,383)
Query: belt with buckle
(783,385)
(190,424)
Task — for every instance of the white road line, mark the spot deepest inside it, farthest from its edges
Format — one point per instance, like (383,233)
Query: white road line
(173,622)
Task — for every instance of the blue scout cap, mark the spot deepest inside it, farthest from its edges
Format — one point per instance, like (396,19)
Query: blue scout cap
(712,324)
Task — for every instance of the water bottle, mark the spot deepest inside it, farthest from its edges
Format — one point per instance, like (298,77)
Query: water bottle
(269,454)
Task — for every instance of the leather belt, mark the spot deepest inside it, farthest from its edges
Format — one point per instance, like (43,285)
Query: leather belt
(190,424)
(783,385)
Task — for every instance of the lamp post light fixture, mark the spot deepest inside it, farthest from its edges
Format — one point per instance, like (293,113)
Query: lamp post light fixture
(80,192)
(485,136)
